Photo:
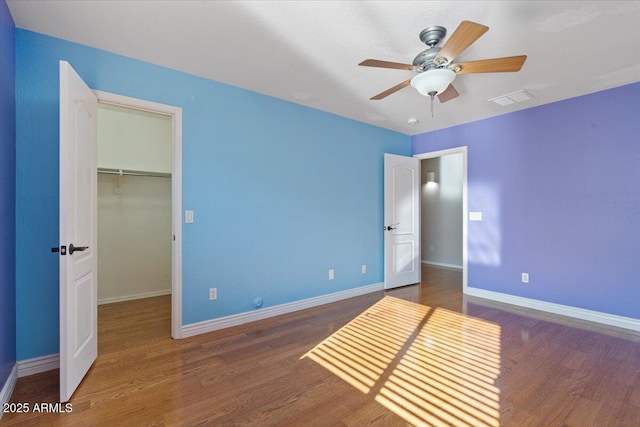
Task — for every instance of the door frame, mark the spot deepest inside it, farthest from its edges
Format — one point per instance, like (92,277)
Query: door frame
(176,192)
(456,150)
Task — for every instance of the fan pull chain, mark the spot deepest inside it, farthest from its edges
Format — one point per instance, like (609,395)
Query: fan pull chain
(432,94)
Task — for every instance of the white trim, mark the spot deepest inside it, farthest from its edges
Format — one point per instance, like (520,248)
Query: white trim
(564,310)
(7,389)
(176,193)
(38,364)
(134,297)
(457,150)
(252,316)
(442,264)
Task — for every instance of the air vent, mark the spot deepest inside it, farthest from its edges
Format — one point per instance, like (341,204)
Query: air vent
(512,98)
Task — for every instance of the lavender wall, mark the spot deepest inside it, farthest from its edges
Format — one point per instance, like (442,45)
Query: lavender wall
(559,186)
(7,194)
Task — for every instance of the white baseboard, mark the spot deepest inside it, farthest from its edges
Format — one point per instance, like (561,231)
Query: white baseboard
(134,296)
(38,364)
(442,264)
(7,389)
(252,316)
(564,310)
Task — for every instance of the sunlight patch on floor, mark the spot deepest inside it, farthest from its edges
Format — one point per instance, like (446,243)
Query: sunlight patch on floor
(430,366)
(362,350)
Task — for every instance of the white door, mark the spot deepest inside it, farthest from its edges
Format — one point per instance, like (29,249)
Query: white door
(78,214)
(402,220)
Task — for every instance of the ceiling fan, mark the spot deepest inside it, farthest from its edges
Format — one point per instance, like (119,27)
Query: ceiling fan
(435,67)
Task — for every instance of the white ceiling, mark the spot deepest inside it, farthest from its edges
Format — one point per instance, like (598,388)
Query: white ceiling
(307,51)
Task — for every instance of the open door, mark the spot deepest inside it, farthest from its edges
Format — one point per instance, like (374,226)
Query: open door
(402,220)
(78,215)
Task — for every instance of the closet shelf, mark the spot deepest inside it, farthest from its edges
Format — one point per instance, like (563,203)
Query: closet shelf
(128,172)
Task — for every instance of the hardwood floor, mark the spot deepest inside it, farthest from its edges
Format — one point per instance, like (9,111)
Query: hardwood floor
(422,354)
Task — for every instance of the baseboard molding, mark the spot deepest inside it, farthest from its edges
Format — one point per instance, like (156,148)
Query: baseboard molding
(442,264)
(564,310)
(252,316)
(7,389)
(134,297)
(38,364)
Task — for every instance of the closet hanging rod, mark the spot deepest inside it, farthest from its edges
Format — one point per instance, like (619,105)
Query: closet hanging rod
(126,172)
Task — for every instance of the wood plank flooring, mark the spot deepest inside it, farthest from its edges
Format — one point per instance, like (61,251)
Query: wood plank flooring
(422,354)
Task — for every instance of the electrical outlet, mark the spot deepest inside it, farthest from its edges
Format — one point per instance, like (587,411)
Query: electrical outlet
(332,274)
(525,277)
(364,268)
(213,294)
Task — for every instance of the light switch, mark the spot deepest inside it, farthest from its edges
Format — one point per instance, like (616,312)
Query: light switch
(475,216)
(188,217)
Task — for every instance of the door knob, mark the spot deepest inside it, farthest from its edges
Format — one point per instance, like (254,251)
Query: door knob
(73,249)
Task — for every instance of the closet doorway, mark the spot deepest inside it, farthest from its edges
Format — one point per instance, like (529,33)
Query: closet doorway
(134,204)
(139,206)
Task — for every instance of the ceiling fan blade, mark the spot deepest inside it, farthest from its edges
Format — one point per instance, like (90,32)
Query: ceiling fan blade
(463,37)
(385,64)
(495,65)
(449,93)
(391,90)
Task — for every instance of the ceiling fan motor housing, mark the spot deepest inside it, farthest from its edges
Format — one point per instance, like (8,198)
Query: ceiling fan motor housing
(424,60)
(431,36)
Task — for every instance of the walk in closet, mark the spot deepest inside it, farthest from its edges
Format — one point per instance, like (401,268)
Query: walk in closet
(134,204)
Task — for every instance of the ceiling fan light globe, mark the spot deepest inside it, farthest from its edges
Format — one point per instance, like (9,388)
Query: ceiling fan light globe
(433,81)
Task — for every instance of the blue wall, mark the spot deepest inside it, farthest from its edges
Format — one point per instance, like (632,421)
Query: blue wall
(281,193)
(7,194)
(559,186)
